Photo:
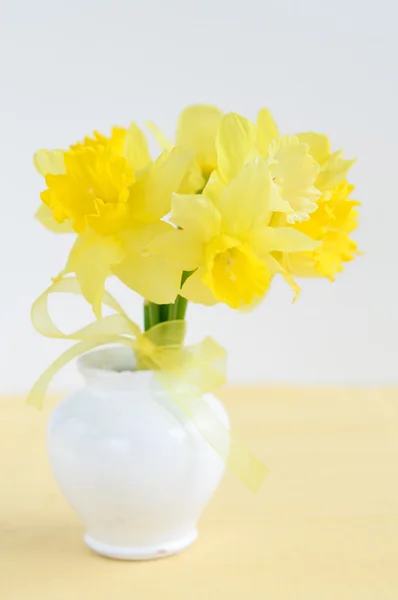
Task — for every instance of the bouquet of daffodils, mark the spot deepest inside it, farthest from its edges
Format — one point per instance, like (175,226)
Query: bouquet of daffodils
(214,218)
(223,210)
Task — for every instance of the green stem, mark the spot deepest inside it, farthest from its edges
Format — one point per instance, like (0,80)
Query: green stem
(181,303)
(154,310)
(171,312)
(163,310)
(147,323)
(180,308)
(159,313)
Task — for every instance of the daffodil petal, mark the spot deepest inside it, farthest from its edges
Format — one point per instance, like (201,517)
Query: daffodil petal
(196,131)
(193,181)
(136,238)
(44,214)
(49,162)
(246,308)
(153,277)
(196,291)
(333,172)
(245,199)
(295,171)
(276,202)
(302,264)
(282,239)
(235,143)
(275,267)
(162,140)
(336,249)
(197,215)
(179,248)
(332,223)
(136,148)
(91,259)
(214,187)
(318,145)
(115,141)
(150,196)
(267,131)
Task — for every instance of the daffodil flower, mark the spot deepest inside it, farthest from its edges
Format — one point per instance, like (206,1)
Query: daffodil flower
(222,145)
(331,225)
(333,221)
(227,240)
(292,168)
(196,132)
(333,168)
(110,192)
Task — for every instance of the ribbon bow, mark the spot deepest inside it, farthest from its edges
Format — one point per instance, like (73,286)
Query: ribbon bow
(185,372)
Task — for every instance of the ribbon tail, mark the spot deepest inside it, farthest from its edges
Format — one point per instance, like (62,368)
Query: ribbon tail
(234,453)
(38,392)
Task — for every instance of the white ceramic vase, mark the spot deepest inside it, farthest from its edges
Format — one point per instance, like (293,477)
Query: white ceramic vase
(130,463)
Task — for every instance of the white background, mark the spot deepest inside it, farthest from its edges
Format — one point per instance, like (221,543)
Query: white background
(70,67)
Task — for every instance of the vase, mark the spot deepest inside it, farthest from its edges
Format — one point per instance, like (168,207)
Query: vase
(129,461)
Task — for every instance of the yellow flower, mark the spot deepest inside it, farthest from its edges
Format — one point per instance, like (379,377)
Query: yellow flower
(196,132)
(331,225)
(270,204)
(222,145)
(116,141)
(111,193)
(90,183)
(292,168)
(333,221)
(333,168)
(93,191)
(227,239)
(91,260)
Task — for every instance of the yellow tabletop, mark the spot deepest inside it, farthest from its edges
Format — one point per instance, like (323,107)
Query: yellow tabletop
(323,527)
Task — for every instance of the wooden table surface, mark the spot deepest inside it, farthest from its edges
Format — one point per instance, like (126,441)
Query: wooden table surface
(323,527)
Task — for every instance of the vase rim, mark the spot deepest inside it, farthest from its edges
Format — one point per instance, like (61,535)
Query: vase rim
(113,367)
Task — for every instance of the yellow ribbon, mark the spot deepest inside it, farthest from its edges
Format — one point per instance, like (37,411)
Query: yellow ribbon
(186,373)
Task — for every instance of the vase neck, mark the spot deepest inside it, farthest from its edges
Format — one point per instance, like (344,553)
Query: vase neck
(114,369)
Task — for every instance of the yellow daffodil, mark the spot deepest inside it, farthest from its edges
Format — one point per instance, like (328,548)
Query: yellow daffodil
(93,191)
(89,184)
(116,141)
(333,221)
(292,168)
(222,145)
(110,192)
(251,203)
(227,239)
(331,225)
(333,168)
(196,132)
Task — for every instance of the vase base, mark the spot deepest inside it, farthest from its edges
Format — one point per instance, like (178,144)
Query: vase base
(141,553)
